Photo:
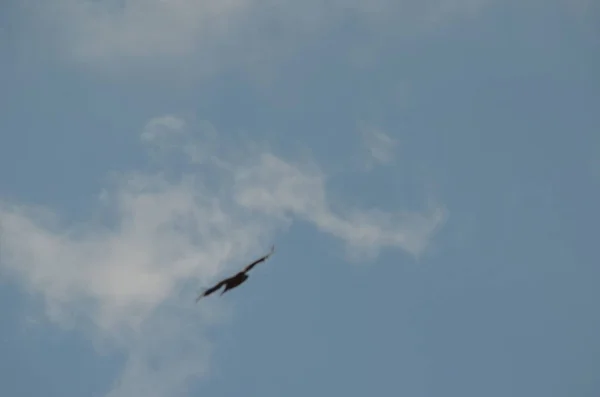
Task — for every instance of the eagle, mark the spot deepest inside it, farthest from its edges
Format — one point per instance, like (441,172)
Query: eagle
(236,280)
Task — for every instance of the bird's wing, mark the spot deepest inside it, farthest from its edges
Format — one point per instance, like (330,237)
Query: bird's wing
(212,289)
(256,262)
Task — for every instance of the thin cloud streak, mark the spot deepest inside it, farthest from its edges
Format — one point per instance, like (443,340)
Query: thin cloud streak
(211,35)
(381,146)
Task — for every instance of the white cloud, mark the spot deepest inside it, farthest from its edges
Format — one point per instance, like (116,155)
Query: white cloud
(381,146)
(132,282)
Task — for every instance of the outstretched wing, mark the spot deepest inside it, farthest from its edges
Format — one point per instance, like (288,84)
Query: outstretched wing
(256,262)
(212,289)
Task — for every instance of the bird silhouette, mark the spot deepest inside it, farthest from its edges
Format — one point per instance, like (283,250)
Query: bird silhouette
(236,280)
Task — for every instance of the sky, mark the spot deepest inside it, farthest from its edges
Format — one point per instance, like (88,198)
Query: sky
(429,172)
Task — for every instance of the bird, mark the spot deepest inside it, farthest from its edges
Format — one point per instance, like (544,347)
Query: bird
(236,280)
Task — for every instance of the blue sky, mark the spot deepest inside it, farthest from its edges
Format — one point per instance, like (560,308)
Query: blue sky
(429,173)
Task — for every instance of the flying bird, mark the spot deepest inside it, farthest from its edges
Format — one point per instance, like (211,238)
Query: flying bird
(234,281)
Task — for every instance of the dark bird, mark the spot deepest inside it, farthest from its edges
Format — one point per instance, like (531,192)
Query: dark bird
(232,282)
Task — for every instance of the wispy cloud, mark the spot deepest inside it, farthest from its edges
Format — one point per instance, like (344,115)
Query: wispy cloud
(381,146)
(213,33)
(131,281)
(279,189)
